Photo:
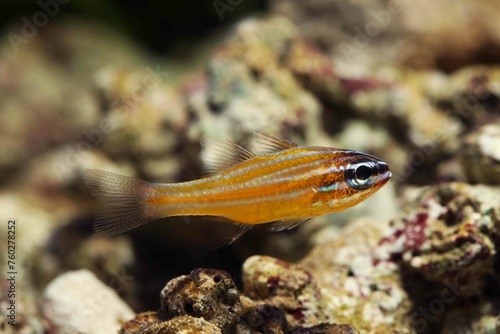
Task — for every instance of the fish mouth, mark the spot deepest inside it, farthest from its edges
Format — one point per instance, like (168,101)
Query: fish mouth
(383,170)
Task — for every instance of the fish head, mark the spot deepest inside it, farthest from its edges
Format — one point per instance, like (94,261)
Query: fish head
(353,177)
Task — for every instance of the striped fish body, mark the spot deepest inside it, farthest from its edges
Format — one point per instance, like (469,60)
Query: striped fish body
(283,187)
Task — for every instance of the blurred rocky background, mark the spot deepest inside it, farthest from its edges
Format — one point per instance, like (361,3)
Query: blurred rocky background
(131,87)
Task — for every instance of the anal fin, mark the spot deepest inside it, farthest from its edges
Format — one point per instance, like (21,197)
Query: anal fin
(285,225)
(222,231)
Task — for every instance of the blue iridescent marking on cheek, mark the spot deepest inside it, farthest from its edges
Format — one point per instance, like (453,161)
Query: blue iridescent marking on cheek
(331,187)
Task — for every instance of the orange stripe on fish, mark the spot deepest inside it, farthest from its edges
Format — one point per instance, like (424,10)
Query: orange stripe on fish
(283,187)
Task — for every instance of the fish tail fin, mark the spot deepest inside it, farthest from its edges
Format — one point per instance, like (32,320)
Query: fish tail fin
(125,200)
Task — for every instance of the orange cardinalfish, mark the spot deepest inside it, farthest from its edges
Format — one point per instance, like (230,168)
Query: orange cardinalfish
(282,187)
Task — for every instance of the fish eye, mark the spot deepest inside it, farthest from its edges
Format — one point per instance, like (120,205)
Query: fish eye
(361,174)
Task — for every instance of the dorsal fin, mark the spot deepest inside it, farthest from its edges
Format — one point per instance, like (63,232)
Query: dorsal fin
(270,144)
(219,155)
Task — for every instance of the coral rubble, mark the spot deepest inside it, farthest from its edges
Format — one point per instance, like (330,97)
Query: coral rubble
(419,257)
(207,300)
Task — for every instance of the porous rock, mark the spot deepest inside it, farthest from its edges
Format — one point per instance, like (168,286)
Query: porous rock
(285,286)
(450,231)
(354,288)
(324,329)
(147,323)
(203,302)
(139,323)
(262,318)
(204,293)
